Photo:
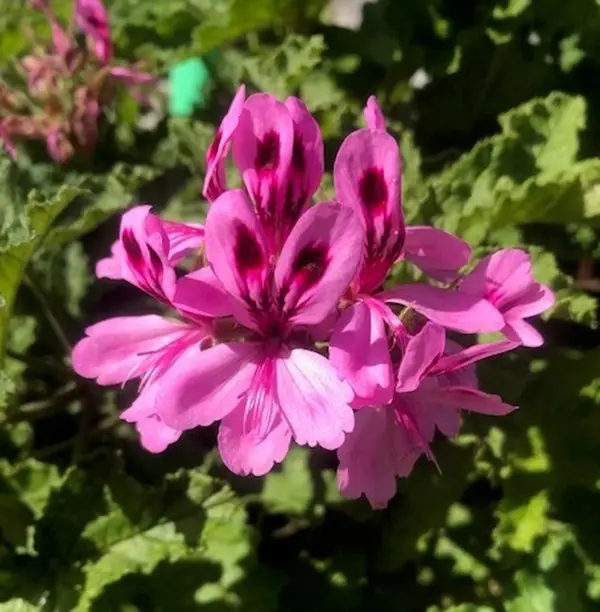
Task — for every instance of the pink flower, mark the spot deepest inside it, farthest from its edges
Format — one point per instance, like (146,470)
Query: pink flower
(278,149)
(367,178)
(92,18)
(432,386)
(270,388)
(504,278)
(124,348)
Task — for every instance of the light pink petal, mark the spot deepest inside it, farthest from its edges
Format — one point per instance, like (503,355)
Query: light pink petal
(367,177)
(419,356)
(112,267)
(201,293)
(522,332)
(236,249)
(214,179)
(130,76)
(205,385)
(534,301)
(60,39)
(318,261)
(500,277)
(373,116)
(314,402)
(183,238)
(460,311)
(306,170)
(245,448)
(465,398)
(92,18)
(434,250)
(465,357)
(359,352)
(262,150)
(116,349)
(373,455)
(155,436)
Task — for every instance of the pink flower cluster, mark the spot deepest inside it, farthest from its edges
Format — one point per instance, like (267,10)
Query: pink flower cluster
(69,86)
(289,329)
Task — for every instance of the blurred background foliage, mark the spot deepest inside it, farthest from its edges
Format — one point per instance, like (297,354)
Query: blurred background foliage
(497,107)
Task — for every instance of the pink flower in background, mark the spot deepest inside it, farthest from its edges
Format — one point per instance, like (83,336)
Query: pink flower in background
(431,388)
(269,389)
(92,18)
(276,281)
(505,279)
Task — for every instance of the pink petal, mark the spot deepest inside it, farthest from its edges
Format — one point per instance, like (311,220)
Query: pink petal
(434,250)
(245,449)
(205,385)
(500,277)
(359,352)
(420,354)
(534,301)
(522,332)
(237,251)
(306,170)
(465,398)
(92,18)
(215,179)
(315,403)
(373,116)
(366,175)
(372,455)
(262,150)
(130,76)
(201,293)
(318,261)
(460,311)
(465,357)
(184,238)
(116,349)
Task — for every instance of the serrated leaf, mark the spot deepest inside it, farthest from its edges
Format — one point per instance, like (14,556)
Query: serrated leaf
(15,254)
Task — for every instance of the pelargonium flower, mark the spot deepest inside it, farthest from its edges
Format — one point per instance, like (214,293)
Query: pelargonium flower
(69,86)
(286,328)
(432,386)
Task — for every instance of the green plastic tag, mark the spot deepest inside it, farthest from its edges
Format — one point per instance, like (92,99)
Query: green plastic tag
(187,87)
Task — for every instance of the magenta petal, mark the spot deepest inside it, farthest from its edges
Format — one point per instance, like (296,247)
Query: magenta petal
(314,402)
(465,357)
(373,455)
(92,18)
(460,311)
(359,352)
(201,293)
(420,354)
(522,332)
(183,238)
(318,261)
(237,251)
(534,301)
(205,385)
(245,448)
(373,116)
(262,150)
(214,179)
(116,350)
(466,398)
(435,250)
(307,157)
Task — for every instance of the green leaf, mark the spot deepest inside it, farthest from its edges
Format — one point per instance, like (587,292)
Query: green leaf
(15,254)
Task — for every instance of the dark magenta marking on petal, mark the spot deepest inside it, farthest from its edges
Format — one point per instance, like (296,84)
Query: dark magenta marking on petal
(156,264)
(310,264)
(248,254)
(298,157)
(373,190)
(132,249)
(211,154)
(267,152)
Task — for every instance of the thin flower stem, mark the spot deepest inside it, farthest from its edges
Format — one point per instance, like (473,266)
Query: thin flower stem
(49,313)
